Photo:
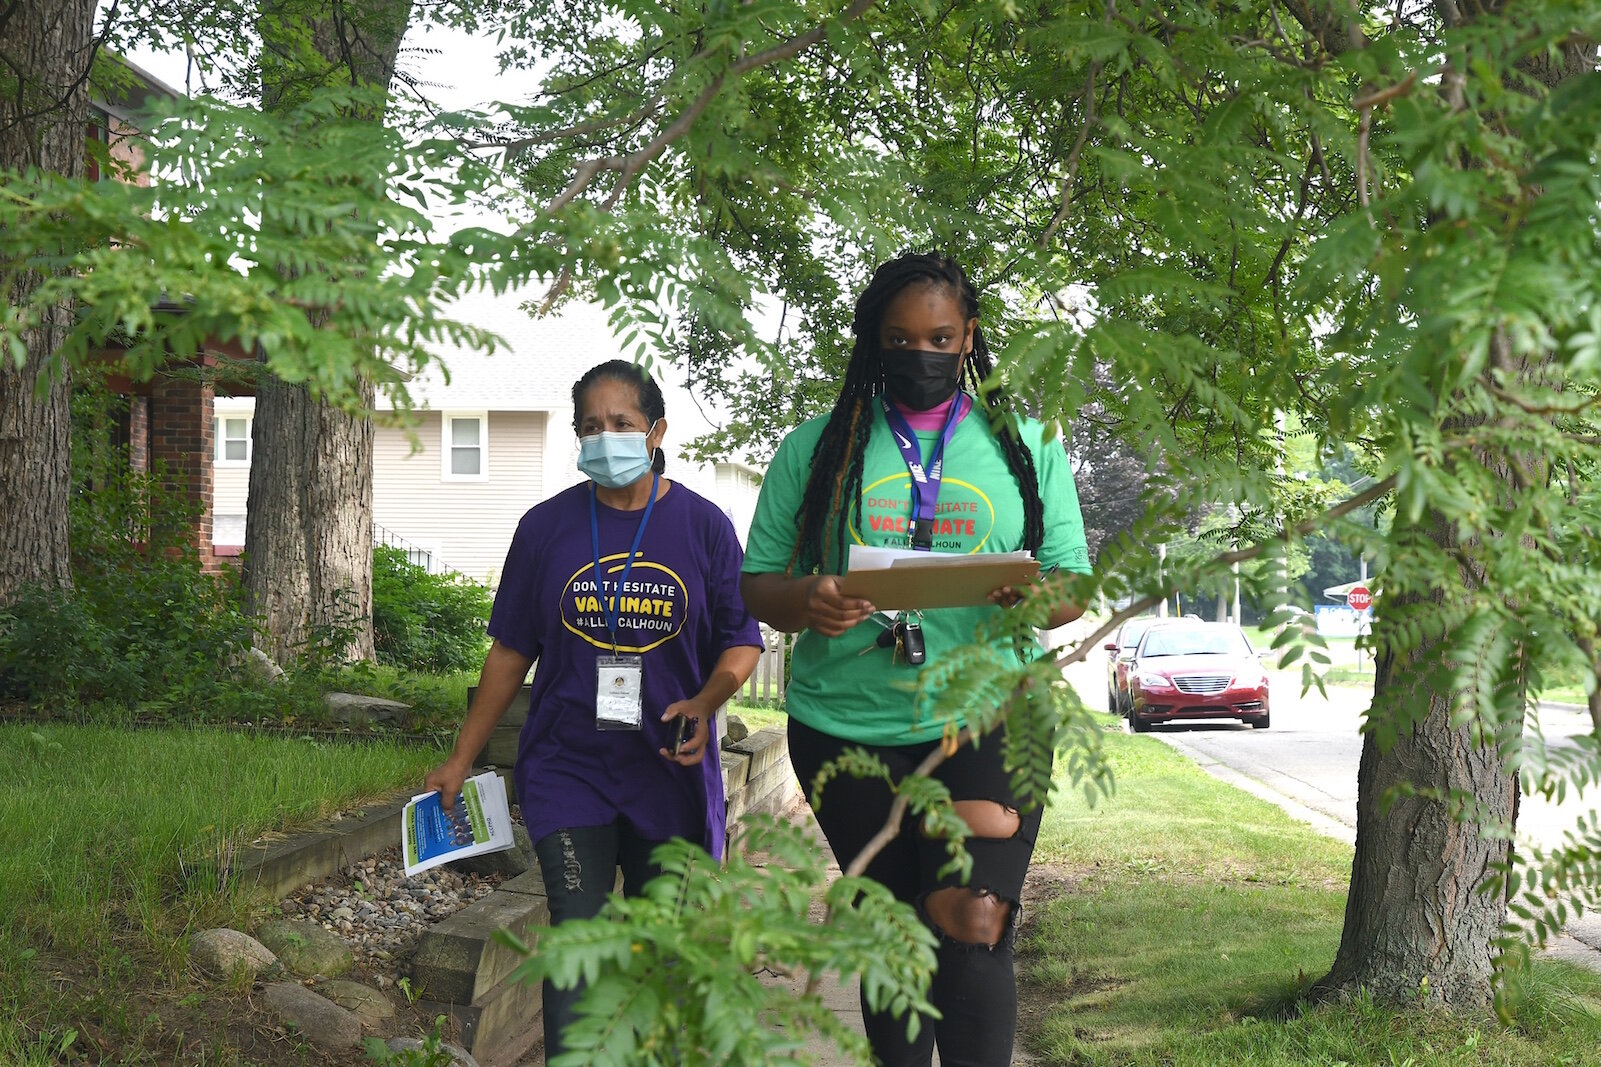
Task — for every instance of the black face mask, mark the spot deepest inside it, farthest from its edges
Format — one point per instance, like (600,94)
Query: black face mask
(919,379)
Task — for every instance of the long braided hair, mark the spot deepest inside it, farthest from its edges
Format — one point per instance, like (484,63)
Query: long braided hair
(834,488)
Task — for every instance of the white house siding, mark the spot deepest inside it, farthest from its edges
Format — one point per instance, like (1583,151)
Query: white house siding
(524,392)
(737,488)
(467,524)
(230,481)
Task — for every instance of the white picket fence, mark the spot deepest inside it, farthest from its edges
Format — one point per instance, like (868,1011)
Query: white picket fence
(767,680)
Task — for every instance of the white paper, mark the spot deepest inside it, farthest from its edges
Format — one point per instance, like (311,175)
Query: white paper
(868,558)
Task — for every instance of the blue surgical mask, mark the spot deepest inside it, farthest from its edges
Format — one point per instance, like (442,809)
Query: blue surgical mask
(614,458)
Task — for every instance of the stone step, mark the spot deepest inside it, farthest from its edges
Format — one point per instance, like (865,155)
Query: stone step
(278,866)
(458,959)
(765,747)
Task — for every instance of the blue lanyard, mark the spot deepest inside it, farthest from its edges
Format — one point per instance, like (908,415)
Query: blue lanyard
(609,608)
(925,482)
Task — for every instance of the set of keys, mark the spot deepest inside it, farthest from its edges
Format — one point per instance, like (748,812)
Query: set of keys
(905,636)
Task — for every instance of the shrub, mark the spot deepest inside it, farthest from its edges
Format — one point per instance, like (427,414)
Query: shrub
(143,625)
(422,621)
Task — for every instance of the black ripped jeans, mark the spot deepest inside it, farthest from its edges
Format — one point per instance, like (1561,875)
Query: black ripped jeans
(579,866)
(975,986)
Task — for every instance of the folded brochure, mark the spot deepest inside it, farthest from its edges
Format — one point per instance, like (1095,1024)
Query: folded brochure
(479,822)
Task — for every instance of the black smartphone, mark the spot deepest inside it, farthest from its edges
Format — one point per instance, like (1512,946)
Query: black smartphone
(686,730)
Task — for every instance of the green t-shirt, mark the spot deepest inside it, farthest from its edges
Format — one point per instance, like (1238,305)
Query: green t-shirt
(834,687)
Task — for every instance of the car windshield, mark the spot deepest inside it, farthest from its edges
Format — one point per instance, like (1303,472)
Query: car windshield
(1193,641)
(1132,632)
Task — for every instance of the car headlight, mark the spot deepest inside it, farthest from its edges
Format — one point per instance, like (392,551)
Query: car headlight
(1151,681)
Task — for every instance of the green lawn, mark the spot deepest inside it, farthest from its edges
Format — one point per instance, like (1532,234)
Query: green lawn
(759,716)
(111,842)
(1194,918)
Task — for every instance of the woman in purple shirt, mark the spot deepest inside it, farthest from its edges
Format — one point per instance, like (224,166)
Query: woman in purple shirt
(625,590)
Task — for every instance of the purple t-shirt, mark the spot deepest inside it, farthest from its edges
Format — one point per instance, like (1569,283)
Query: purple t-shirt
(680,610)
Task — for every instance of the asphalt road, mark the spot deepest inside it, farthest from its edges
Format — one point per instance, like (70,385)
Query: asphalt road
(1307,762)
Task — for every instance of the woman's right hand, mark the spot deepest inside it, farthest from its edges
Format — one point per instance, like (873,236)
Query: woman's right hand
(446,779)
(829,611)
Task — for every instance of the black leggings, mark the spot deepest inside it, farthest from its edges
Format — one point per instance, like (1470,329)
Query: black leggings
(975,987)
(579,866)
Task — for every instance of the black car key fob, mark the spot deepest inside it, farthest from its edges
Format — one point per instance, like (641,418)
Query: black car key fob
(911,640)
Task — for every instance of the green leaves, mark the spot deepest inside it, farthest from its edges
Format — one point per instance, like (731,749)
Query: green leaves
(677,975)
(282,238)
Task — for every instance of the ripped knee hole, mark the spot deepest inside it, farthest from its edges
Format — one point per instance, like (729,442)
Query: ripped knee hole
(987,818)
(970,916)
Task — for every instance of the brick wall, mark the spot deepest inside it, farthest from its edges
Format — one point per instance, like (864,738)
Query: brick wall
(181,437)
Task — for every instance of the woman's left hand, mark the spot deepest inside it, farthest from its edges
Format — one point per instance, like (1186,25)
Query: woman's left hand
(692,751)
(1007,596)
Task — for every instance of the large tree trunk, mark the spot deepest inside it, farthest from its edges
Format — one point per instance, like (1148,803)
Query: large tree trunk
(45,52)
(1416,910)
(1417,924)
(308,530)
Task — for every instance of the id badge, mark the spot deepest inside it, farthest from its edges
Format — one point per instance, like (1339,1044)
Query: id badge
(617,692)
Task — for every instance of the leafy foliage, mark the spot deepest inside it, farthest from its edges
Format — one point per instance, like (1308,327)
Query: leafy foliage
(143,626)
(673,976)
(1376,225)
(273,232)
(425,622)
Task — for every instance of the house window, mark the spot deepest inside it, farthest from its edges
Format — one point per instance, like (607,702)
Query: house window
(465,451)
(98,131)
(232,434)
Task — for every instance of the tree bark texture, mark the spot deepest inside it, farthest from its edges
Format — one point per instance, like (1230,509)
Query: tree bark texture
(308,528)
(46,47)
(1418,926)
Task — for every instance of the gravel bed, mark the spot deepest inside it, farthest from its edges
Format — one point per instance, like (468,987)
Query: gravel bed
(381,912)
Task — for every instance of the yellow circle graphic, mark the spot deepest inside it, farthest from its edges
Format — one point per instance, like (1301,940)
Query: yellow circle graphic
(905,481)
(618,558)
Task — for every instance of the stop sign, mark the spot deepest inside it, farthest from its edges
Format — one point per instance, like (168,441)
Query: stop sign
(1359,598)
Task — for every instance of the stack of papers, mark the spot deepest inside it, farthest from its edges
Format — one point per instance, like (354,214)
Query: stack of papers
(479,822)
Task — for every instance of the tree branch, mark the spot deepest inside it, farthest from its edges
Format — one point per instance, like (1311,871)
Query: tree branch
(1071,177)
(629,166)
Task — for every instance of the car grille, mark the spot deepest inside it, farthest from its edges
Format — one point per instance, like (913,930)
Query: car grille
(1201,684)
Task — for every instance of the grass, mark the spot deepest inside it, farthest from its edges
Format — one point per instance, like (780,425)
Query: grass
(759,716)
(437,699)
(116,844)
(1194,920)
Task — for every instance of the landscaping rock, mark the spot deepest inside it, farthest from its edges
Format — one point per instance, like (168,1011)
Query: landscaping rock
(737,730)
(514,861)
(319,1020)
(460,1057)
(259,665)
(222,953)
(364,1002)
(306,948)
(356,707)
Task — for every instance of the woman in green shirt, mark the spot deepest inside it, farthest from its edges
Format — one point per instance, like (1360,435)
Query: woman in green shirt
(904,461)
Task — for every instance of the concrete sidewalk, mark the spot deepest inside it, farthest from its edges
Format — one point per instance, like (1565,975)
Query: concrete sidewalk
(843,998)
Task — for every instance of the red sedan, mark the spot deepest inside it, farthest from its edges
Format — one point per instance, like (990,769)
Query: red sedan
(1119,654)
(1196,670)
